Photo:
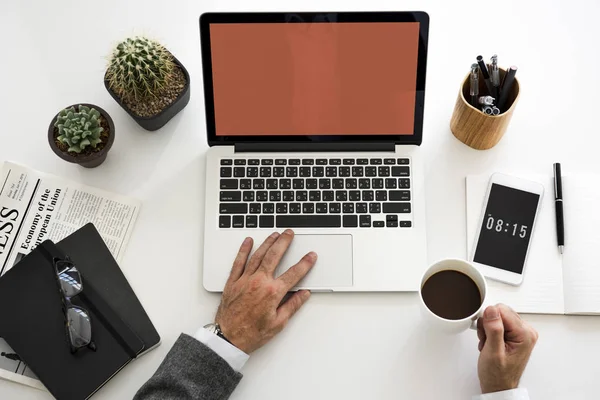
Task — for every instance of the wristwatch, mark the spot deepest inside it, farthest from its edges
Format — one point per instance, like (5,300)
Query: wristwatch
(216,329)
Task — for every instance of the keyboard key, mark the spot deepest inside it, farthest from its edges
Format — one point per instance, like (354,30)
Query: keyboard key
(233,208)
(358,172)
(238,221)
(396,208)
(374,208)
(337,183)
(278,172)
(328,195)
(390,183)
(368,195)
(230,196)
(318,172)
(271,183)
(391,224)
(308,208)
(253,162)
(224,220)
(331,172)
(288,195)
(344,171)
(266,161)
(285,184)
(308,161)
(245,184)
(383,171)
(239,161)
(351,183)
(378,224)
(255,208)
(295,208)
(381,195)
(375,161)
(399,195)
(362,161)
(350,221)
(308,221)
(405,224)
(252,172)
(321,208)
(249,195)
(268,208)
(335,208)
(335,161)
(294,161)
(364,183)
(226,162)
(403,161)
(325,183)
(298,184)
(266,221)
(258,184)
(400,171)
(361,208)
(341,195)
(228,183)
(312,184)
(281,208)
(354,195)
(251,221)
(275,195)
(226,172)
(391,217)
(348,208)
(262,195)
(370,171)
(365,221)
(239,172)
(291,172)
(349,161)
(280,161)
(403,183)
(265,172)
(321,161)
(305,172)
(301,195)
(377,183)
(389,161)
(314,195)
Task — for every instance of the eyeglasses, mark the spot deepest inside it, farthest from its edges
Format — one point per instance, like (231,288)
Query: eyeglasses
(77,319)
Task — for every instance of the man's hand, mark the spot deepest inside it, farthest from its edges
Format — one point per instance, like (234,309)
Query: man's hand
(505,344)
(251,310)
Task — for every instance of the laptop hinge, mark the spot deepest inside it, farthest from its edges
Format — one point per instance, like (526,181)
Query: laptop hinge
(312,147)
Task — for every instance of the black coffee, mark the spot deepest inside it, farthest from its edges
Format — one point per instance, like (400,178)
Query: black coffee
(451,295)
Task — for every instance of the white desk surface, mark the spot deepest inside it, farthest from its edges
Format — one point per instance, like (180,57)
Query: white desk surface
(340,346)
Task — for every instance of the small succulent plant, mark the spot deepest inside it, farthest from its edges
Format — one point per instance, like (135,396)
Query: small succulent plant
(139,67)
(79,129)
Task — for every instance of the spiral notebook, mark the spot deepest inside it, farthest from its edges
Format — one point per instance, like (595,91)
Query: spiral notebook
(553,283)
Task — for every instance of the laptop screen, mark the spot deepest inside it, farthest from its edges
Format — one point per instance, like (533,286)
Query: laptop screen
(315,79)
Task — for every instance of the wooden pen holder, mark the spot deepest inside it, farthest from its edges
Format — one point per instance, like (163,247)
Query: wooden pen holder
(474,128)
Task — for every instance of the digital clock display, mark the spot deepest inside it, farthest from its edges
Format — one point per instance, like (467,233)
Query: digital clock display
(506,228)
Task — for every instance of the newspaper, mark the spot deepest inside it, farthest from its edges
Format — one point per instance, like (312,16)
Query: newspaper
(35,207)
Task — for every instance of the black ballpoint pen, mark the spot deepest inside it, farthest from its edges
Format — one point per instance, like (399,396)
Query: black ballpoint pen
(486,75)
(558,201)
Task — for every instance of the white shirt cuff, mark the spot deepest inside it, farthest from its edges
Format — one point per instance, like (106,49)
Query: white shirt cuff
(514,394)
(228,352)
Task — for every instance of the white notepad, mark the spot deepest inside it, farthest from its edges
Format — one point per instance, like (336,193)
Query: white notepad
(553,283)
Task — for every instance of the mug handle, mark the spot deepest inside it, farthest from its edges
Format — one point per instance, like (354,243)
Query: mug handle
(475,318)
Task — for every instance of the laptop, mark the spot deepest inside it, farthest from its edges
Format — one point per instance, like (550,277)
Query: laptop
(314,122)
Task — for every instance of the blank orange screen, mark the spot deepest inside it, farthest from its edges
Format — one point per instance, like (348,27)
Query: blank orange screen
(314,78)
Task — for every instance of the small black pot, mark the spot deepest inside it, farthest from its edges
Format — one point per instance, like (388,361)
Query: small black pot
(160,119)
(94,159)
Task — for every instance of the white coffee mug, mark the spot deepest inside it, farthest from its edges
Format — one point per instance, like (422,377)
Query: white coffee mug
(454,325)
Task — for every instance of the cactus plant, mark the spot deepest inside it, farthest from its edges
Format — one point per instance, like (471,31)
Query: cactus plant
(79,128)
(139,67)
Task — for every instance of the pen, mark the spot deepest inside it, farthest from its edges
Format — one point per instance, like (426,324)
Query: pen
(509,80)
(485,74)
(495,76)
(558,202)
(474,84)
(486,100)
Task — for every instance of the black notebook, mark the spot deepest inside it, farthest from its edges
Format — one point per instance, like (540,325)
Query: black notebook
(32,321)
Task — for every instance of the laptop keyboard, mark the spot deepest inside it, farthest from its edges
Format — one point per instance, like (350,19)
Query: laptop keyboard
(315,193)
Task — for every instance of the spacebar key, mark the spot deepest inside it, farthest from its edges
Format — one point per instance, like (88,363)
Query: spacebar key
(309,221)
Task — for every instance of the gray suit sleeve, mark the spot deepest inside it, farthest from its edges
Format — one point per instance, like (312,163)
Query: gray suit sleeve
(190,371)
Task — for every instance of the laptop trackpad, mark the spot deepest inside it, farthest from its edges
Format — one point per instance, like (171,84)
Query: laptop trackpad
(334,263)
